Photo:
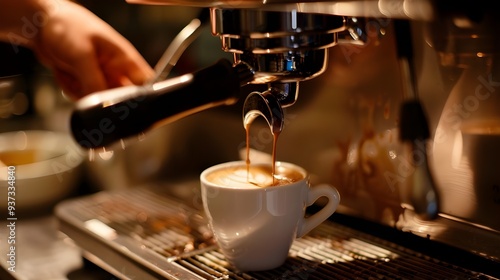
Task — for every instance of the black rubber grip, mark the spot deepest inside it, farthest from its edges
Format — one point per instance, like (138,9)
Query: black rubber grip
(100,125)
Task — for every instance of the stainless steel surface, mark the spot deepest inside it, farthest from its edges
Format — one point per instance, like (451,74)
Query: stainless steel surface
(146,233)
(265,105)
(261,32)
(174,51)
(420,9)
(284,47)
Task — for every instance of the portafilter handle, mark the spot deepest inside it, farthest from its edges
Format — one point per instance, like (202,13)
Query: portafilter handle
(106,117)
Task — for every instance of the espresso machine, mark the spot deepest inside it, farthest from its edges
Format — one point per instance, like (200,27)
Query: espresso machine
(403,120)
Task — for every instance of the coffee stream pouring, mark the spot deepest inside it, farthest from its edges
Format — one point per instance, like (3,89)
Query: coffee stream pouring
(263,104)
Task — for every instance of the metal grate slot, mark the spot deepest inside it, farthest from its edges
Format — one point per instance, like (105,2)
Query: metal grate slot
(335,252)
(178,242)
(157,223)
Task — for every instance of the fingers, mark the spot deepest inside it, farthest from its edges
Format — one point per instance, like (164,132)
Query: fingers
(140,74)
(80,76)
(89,74)
(90,57)
(135,73)
(124,71)
(139,71)
(122,64)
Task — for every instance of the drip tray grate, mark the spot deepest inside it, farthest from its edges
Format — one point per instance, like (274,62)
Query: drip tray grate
(164,238)
(333,251)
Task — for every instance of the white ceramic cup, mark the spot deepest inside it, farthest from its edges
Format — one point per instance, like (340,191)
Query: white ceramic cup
(255,226)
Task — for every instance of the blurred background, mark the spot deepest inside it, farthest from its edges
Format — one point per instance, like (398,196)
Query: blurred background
(343,129)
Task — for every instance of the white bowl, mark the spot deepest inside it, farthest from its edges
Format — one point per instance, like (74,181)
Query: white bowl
(38,168)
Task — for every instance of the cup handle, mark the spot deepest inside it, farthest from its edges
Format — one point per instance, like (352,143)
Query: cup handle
(315,192)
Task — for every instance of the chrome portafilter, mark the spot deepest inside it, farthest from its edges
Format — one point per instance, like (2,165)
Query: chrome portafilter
(283,48)
(275,48)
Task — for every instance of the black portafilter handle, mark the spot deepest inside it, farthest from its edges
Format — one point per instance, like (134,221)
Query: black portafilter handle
(106,117)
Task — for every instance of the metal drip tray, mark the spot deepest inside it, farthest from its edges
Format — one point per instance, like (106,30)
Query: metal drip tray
(334,252)
(141,234)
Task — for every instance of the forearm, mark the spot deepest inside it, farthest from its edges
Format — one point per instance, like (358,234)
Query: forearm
(21,20)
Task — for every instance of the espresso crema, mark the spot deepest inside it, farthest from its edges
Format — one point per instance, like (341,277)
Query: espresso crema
(258,176)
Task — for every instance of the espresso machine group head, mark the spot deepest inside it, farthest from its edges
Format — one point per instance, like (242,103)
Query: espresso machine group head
(283,48)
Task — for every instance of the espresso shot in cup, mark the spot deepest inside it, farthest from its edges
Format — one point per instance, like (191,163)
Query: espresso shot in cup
(255,216)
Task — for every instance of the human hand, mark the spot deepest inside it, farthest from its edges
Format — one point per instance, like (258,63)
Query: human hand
(85,53)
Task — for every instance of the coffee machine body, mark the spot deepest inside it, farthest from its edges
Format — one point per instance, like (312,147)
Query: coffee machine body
(347,57)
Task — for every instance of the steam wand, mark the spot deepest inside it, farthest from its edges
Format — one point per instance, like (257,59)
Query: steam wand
(414,129)
(178,45)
